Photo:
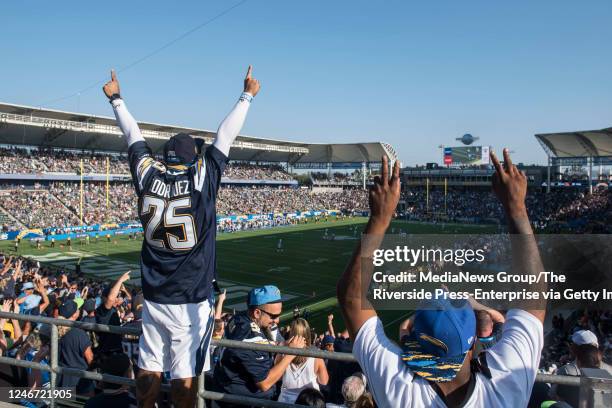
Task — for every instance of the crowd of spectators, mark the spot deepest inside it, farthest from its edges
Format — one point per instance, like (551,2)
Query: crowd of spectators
(246,171)
(16,160)
(336,178)
(59,205)
(565,325)
(546,210)
(265,200)
(40,160)
(45,160)
(121,207)
(30,289)
(579,339)
(290,379)
(36,208)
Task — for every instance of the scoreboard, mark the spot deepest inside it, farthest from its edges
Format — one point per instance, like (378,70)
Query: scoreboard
(466,155)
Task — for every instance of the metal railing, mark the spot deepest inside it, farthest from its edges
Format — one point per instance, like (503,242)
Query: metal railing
(587,387)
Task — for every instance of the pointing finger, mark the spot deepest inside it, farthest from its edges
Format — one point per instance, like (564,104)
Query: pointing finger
(395,180)
(507,160)
(396,169)
(496,163)
(113,75)
(248,74)
(385,170)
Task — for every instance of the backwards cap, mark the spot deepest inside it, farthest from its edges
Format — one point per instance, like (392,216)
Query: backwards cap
(441,336)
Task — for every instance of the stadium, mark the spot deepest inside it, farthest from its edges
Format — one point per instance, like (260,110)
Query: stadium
(73,188)
(293,213)
(397,209)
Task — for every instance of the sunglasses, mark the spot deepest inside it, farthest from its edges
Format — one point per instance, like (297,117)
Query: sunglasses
(272,316)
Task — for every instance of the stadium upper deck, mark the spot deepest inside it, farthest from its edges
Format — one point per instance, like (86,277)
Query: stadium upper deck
(26,125)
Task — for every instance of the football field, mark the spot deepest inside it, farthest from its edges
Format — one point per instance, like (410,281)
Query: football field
(306,267)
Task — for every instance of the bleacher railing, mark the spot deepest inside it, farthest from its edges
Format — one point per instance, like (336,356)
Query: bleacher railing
(591,386)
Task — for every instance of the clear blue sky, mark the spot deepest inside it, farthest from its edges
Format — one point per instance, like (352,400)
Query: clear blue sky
(414,74)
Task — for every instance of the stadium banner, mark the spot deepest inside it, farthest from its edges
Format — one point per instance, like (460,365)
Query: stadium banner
(65,177)
(92,228)
(32,234)
(104,233)
(225,180)
(403,270)
(62,230)
(276,216)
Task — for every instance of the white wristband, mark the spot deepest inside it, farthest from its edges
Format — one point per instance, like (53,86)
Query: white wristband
(245,96)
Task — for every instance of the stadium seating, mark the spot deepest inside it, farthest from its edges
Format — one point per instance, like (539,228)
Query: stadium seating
(19,160)
(545,210)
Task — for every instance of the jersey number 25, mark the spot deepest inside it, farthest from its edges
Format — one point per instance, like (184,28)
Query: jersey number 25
(166,212)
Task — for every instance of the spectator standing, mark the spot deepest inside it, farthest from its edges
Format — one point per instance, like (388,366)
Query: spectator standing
(302,372)
(89,311)
(434,368)
(177,270)
(74,350)
(130,342)
(250,372)
(107,314)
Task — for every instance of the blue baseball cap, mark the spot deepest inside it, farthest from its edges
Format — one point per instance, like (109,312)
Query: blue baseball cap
(68,308)
(264,295)
(441,335)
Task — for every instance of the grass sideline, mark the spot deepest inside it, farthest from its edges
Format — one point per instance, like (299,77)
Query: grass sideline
(306,270)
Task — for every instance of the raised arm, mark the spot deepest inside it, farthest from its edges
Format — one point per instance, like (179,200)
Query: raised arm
(40,288)
(231,125)
(330,325)
(6,307)
(384,196)
(510,186)
(114,292)
(280,365)
(16,327)
(126,121)
(7,266)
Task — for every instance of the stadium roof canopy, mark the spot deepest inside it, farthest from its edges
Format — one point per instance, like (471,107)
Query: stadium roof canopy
(588,143)
(24,125)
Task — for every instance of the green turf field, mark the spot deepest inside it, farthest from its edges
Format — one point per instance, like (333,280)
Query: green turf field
(306,269)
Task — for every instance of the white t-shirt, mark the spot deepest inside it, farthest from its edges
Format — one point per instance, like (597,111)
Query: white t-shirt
(513,363)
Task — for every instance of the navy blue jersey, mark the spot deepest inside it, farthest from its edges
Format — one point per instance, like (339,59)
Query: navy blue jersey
(176,206)
(239,371)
